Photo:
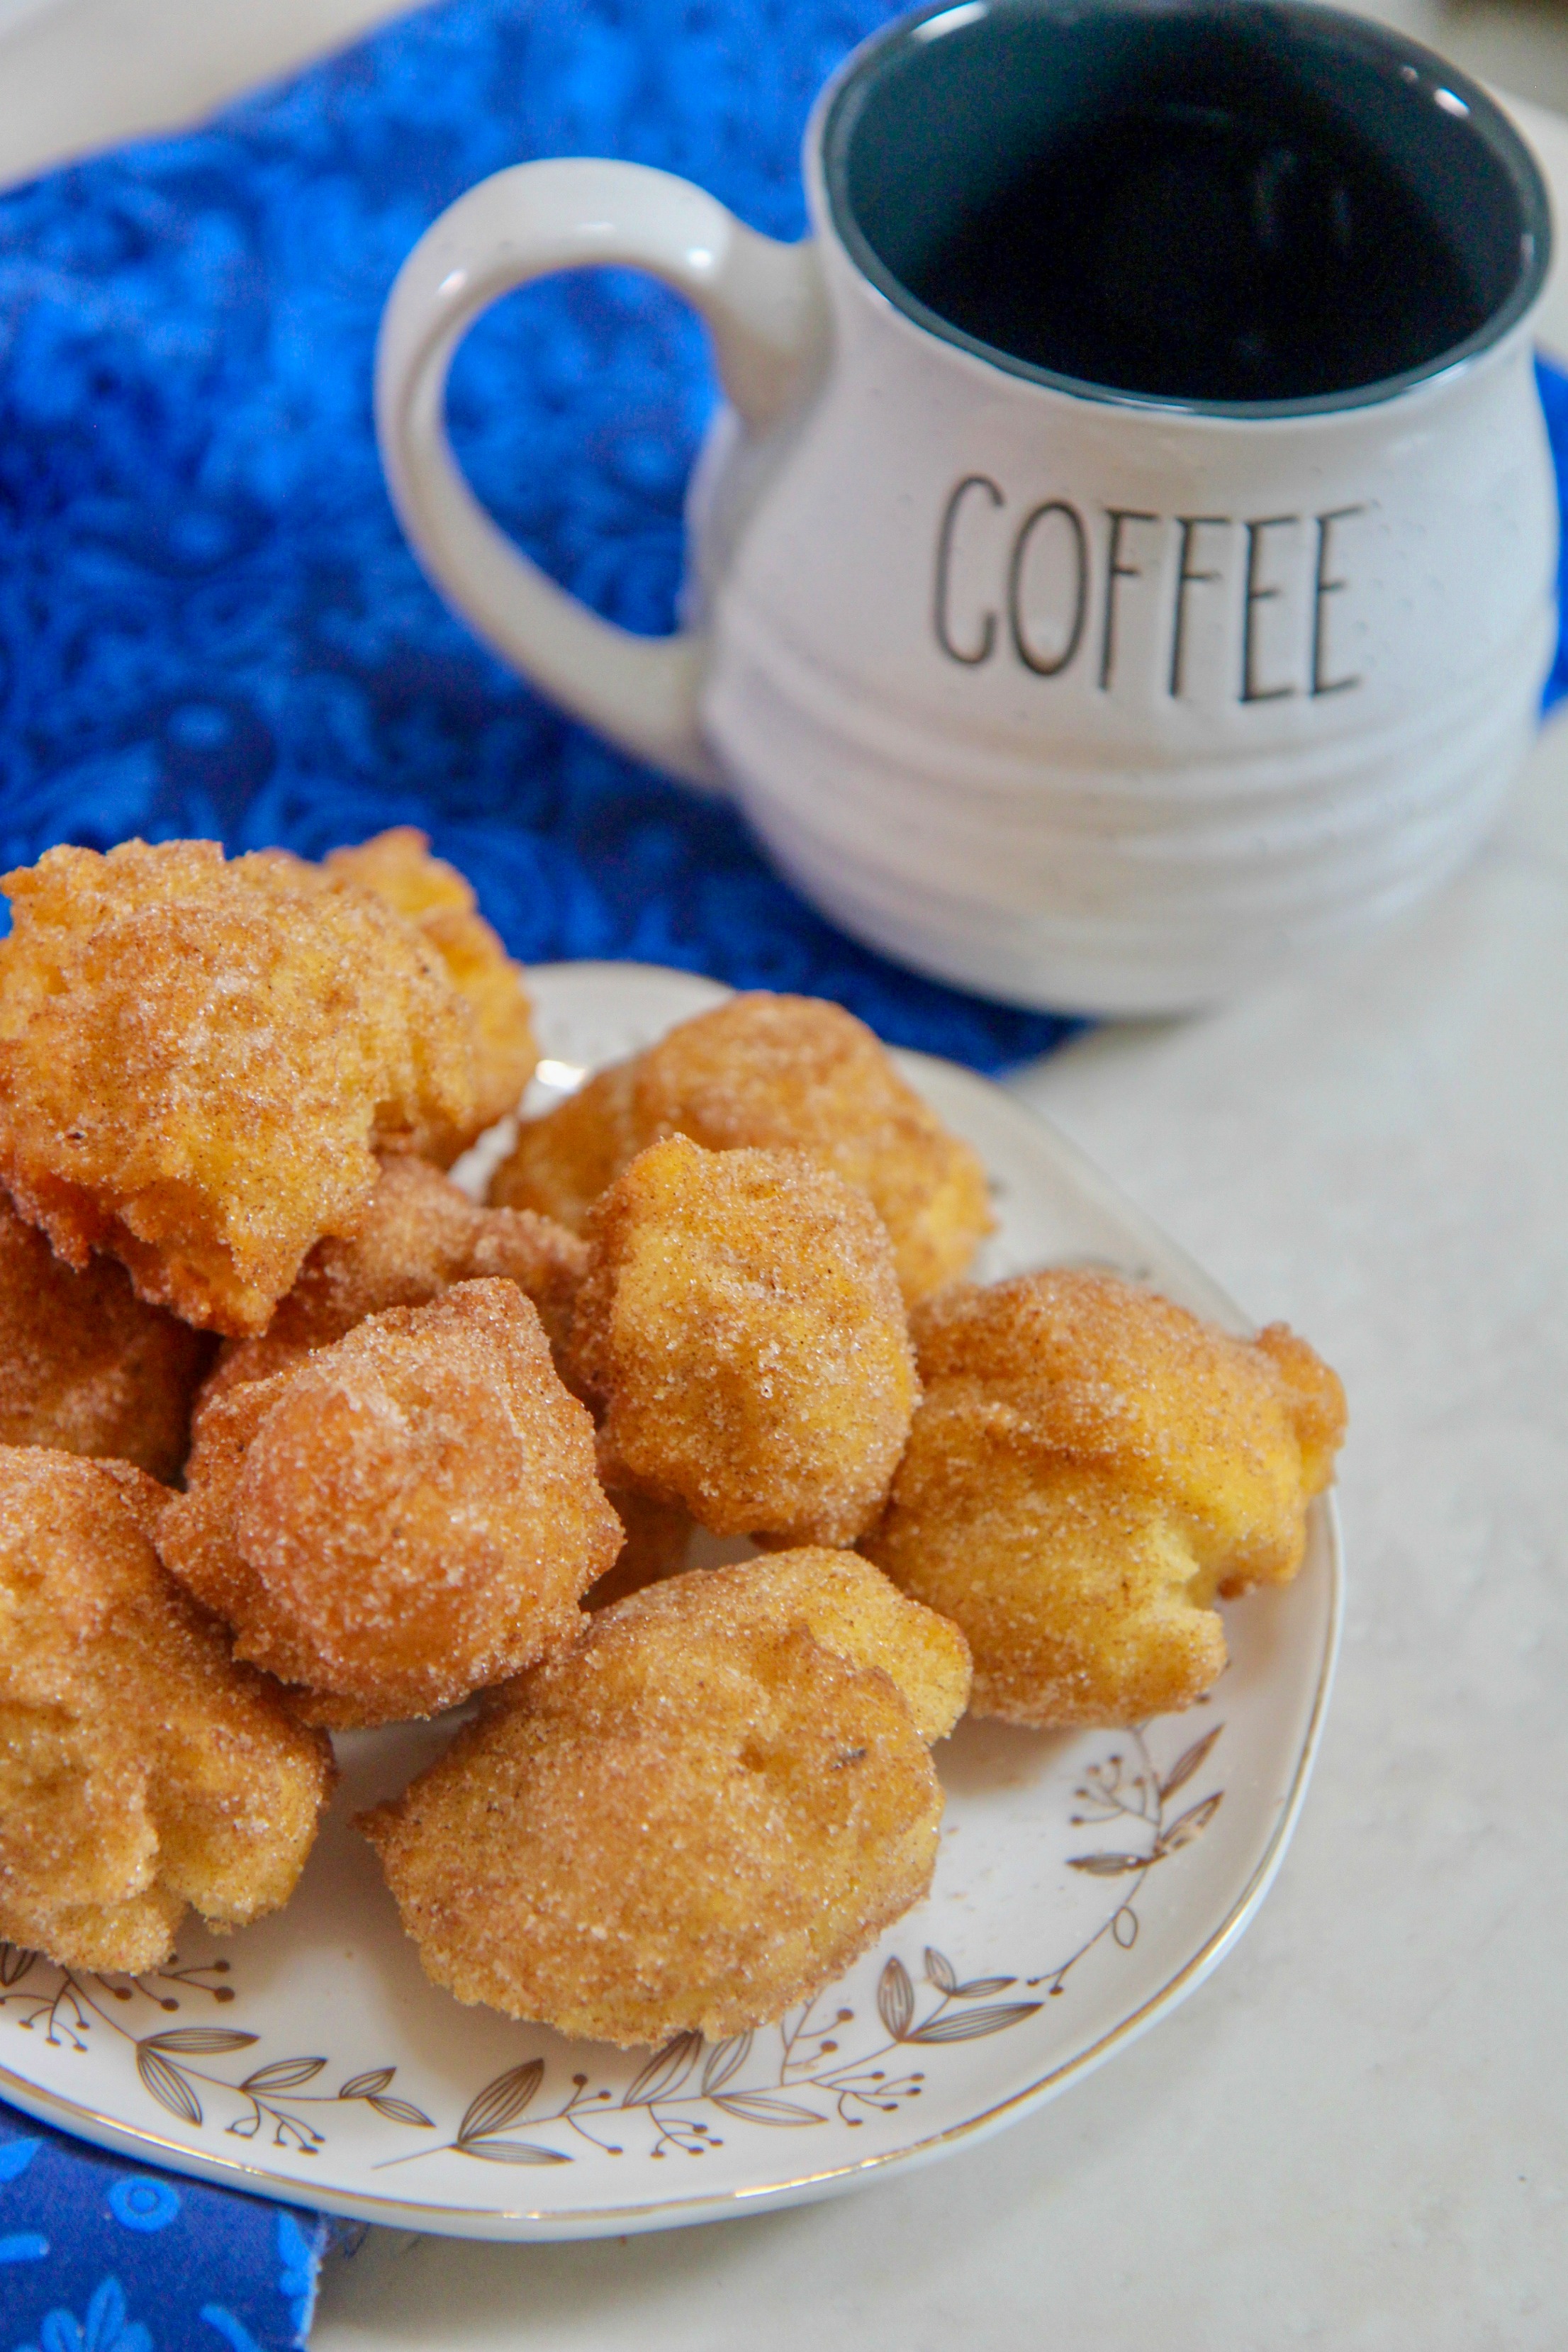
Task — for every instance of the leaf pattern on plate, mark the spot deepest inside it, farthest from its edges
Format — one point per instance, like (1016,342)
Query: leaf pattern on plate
(284,2075)
(970,2024)
(1190,1825)
(367,2086)
(510,2151)
(757,2107)
(725,2060)
(1188,1762)
(1128,1790)
(665,2071)
(200,2040)
(501,2101)
(167,2085)
(401,2111)
(1108,1865)
(896,1997)
(167,2061)
(939,1971)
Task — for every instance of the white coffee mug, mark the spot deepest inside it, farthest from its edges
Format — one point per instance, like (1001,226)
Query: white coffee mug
(1125,563)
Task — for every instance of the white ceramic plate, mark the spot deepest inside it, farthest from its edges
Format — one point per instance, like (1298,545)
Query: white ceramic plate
(1087,1882)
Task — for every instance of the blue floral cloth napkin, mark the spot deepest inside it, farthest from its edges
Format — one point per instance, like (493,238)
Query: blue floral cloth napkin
(99,2254)
(209,623)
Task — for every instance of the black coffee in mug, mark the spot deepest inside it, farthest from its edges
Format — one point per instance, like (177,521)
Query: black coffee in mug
(1224,202)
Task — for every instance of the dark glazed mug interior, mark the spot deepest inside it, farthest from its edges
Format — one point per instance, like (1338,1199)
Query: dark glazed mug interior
(1238,207)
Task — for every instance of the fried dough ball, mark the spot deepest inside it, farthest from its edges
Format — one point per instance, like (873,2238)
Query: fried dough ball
(741,1324)
(84,1365)
(405,1515)
(563,1161)
(398,866)
(1089,1467)
(776,1073)
(198,1061)
(419,1235)
(698,1815)
(141,1770)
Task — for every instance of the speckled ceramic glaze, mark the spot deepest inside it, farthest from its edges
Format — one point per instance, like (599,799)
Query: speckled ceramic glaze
(1086,1883)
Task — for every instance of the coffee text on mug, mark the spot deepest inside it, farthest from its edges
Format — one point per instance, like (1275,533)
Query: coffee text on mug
(988,593)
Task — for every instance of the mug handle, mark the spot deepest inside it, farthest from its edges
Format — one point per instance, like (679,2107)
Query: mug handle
(764,303)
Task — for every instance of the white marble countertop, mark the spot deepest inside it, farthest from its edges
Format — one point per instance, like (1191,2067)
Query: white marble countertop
(1355,2134)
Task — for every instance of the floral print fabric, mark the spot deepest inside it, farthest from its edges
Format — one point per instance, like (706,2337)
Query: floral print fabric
(99,2254)
(209,621)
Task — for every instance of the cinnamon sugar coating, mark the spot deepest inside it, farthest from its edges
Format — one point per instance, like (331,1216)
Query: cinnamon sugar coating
(398,867)
(742,1325)
(405,1515)
(198,1061)
(1090,1466)
(85,1365)
(418,1237)
(851,1607)
(141,1770)
(695,1817)
(775,1073)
